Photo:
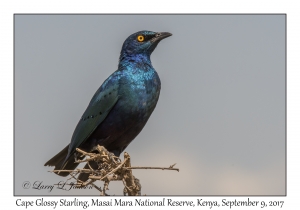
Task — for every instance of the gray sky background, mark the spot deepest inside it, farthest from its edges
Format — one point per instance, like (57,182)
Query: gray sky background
(220,116)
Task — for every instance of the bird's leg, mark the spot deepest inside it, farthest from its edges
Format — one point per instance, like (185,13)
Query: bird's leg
(112,157)
(106,154)
(75,156)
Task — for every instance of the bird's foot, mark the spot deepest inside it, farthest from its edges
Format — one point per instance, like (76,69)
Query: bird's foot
(113,158)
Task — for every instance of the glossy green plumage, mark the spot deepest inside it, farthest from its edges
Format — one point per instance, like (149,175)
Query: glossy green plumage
(122,105)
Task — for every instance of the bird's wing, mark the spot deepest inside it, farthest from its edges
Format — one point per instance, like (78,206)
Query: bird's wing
(101,104)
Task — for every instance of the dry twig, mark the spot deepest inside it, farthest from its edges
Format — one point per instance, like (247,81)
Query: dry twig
(110,168)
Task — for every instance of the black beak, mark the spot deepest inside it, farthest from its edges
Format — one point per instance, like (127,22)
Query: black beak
(161,35)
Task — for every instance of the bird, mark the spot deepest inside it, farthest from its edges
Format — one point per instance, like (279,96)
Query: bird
(120,108)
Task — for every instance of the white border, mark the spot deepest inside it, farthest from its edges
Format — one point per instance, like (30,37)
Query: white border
(8,8)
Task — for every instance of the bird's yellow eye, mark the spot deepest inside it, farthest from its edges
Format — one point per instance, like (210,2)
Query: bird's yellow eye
(140,38)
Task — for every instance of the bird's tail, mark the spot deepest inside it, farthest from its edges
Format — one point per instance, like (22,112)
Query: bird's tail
(58,161)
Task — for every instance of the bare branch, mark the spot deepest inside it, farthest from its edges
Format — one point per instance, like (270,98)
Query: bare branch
(162,168)
(110,168)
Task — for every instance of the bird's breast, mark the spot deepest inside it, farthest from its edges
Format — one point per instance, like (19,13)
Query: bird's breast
(140,94)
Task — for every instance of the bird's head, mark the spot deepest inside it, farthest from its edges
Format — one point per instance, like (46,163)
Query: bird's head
(142,43)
